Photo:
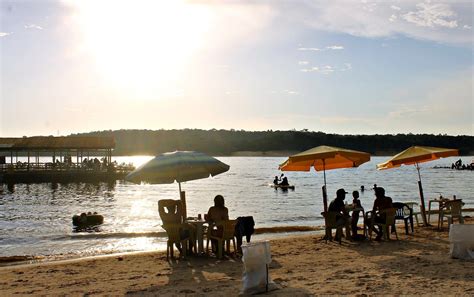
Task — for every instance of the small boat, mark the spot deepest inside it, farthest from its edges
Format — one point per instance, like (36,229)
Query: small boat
(87,219)
(288,187)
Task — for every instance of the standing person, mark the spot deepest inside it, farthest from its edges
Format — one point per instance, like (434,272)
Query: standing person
(381,203)
(355,213)
(342,216)
(216,214)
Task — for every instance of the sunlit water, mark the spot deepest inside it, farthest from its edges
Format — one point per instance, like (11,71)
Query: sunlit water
(35,219)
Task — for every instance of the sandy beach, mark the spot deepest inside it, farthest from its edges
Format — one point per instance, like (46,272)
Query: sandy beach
(302,265)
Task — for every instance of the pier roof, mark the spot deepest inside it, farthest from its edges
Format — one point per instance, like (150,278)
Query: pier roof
(56,143)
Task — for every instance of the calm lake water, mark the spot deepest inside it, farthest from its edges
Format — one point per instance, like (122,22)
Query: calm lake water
(35,219)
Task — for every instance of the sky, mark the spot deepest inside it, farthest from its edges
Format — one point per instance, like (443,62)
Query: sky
(346,67)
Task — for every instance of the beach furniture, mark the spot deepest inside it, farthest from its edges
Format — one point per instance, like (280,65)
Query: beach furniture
(245,227)
(452,209)
(404,213)
(224,233)
(413,156)
(331,223)
(179,235)
(198,227)
(179,166)
(440,201)
(389,221)
(412,204)
(324,158)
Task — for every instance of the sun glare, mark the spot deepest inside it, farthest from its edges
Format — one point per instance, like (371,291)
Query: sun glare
(141,46)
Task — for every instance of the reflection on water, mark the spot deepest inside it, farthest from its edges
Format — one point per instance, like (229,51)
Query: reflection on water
(36,219)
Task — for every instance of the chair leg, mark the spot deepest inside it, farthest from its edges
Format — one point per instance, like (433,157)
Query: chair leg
(406,227)
(411,224)
(417,222)
(461,219)
(207,247)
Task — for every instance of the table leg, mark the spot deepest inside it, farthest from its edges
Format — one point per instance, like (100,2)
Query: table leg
(429,211)
(200,238)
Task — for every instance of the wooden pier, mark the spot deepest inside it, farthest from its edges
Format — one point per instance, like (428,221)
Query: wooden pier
(73,159)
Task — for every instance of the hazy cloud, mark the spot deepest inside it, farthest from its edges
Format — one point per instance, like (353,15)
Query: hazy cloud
(303,62)
(309,49)
(467,27)
(416,19)
(431,15)
(335,47)
(33,26)
(3,34)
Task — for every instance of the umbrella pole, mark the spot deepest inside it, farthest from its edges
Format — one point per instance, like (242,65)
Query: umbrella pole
(327,235)
(325,194)
(422,197)
(182,196)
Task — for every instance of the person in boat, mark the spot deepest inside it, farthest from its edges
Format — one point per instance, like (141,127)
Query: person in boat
(284,182)
(276,181)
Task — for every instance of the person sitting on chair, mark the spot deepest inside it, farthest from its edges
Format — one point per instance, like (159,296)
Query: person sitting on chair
(342,217)
(216,214)
(381,203)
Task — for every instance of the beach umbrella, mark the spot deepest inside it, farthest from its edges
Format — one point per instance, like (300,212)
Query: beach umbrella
(324,158)
(413,156)
(179,166)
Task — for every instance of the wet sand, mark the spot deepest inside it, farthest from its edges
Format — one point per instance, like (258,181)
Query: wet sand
(302,266)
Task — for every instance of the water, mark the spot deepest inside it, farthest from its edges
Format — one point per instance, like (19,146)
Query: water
(35,219)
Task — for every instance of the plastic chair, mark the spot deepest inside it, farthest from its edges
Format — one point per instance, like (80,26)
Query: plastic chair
(405,213)
(411,205)
(389,221)
(171,213)
(178,236)
(330,219)
(224,233)
(452,209)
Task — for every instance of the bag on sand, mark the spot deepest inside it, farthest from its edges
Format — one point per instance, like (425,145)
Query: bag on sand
(256,258)
(461,238)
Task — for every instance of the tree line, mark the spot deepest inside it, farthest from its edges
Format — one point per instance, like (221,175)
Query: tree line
(230,142)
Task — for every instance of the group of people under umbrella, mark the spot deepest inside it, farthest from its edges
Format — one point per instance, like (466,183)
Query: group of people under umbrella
(182,166)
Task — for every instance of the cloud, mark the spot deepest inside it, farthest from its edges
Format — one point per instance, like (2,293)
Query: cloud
(33,26)
(432,15)
(303,62)
(467,27)
(309,49)
(327,69)
(3,34)
(335,47)
(439,22)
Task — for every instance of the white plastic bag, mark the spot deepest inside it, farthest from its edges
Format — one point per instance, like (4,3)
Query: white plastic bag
(256,258)
(461,237)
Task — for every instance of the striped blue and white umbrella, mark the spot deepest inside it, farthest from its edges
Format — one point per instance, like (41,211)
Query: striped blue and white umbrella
(179,166)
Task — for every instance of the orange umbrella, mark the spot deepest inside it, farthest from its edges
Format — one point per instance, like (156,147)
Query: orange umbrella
(323,158)
(413,156)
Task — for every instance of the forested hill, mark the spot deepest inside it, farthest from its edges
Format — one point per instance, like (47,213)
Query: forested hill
(239,142)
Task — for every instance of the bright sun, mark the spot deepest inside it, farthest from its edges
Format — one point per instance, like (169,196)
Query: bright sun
(141,46)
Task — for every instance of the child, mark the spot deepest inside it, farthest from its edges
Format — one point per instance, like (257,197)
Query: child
(355,213)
